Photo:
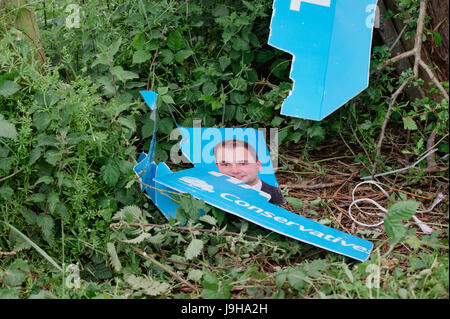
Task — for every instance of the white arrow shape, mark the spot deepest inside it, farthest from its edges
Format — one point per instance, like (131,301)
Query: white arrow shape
(295,4)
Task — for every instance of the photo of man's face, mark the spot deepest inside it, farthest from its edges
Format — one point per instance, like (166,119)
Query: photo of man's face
(236,159)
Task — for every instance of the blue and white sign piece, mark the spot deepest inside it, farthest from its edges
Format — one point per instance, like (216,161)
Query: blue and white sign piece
(330,41)
(146,169)
(198,143)
(235,197)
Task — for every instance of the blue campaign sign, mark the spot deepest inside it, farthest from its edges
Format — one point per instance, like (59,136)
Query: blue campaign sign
(330,41)
(198,143)
(239,199)
(159,194)
(146,169)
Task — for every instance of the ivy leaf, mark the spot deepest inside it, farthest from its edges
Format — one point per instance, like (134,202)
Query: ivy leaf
(194,249)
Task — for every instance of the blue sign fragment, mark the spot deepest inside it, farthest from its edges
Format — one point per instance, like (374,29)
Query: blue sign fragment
(330,41)
(223,192)
(233,196)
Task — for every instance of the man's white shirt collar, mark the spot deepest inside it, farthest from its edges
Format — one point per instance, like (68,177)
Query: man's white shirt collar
(258,185)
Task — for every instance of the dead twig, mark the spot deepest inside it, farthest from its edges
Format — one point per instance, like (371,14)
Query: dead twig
(114,225)
(174,274)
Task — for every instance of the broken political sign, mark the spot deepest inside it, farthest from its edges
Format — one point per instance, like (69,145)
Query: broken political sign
(330,41)
(234,191)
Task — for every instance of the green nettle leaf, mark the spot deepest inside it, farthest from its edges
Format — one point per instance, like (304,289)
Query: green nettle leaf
(7,129)
(238,84)
(240,44)
(296,278)
(167,99)
(400,211)
(127,122)
(111,173)
(41,120)
(138,239)
(101,59)
(194,249)
(129,214)
(114,258)
(147,286)
(46,224)
(215,105)
(280,278)
(35,154)
(238,98)
(224,62)
(297,203)
(123,75)
(147,129)
(195,274)
(44,179)
(6,192)
(115,47)
(208,219)
(16,273)
(140,56)
(182,55)
(175,40)
(403,210)
(8,88)
(409,124)
(52,200)
(316,131)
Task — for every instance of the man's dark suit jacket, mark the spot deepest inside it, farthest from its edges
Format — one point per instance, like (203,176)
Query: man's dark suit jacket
(275,193)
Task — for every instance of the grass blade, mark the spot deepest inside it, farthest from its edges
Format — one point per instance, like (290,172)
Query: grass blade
(39,250)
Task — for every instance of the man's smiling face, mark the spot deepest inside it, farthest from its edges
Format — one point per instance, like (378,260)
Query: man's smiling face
(237,162)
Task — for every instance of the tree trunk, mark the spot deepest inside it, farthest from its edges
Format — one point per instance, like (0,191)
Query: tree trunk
(438,11)
(433,55)
(23,18)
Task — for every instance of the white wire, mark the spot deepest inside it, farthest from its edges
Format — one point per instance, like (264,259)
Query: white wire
(407,167)
(425,228)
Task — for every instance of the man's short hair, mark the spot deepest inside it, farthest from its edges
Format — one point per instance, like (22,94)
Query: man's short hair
(237,143)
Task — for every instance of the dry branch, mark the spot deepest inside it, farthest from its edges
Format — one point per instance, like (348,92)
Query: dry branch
(418,62)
